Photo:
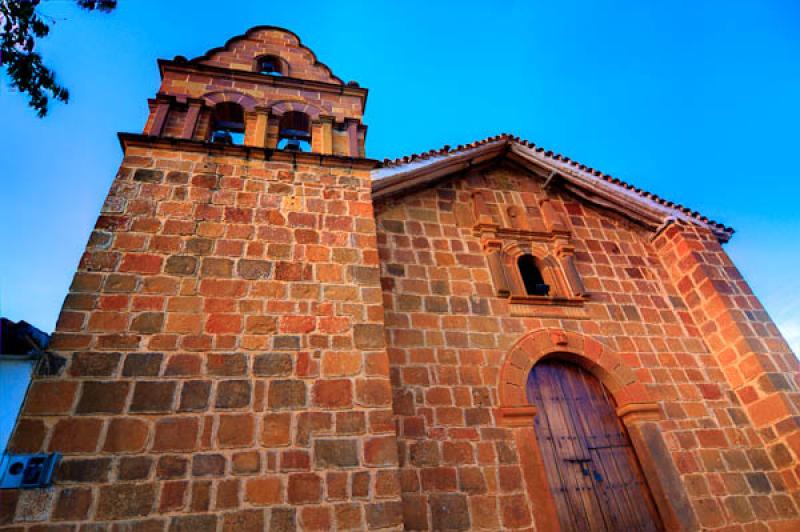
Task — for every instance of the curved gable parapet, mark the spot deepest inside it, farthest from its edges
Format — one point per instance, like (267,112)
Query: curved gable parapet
(243,51)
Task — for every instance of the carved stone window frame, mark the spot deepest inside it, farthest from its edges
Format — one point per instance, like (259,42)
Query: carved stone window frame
(554,253)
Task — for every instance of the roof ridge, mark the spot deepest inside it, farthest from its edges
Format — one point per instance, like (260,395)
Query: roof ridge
(563,159)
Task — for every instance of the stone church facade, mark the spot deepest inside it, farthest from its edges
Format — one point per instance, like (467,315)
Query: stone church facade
(269,330)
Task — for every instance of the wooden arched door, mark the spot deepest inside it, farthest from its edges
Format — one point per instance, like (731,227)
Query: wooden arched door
(592,471)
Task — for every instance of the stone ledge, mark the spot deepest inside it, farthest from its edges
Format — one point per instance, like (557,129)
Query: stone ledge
(516,416)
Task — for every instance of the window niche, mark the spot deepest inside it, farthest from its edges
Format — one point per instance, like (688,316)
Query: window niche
(538,278)
(530,258)
(534,273)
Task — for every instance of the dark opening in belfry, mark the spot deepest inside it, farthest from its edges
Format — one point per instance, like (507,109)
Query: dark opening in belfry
(227,124)
(294,132)
(271,65)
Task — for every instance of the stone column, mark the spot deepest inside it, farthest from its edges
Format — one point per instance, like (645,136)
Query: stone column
(273,126)
(565,253)
(352,137)
(190,122)
(159,112)
(256,125)
(317,136)
(496,267)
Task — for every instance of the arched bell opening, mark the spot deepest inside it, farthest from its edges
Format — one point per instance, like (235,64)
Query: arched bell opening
(294,131)
(227,123)
(271,65)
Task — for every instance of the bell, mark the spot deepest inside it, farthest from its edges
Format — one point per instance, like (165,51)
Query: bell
(293,145)
(221,137)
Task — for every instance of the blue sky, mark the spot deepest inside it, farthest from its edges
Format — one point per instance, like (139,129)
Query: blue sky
(694,100)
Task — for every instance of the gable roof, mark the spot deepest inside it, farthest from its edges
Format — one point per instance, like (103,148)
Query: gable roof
(405,174)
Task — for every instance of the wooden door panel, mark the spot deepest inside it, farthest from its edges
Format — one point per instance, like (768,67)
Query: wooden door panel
(589,461)
(603,430)
(570,453)
(618,458)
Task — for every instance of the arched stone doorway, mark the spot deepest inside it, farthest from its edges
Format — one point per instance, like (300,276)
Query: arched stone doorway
(636,409)
(592,470)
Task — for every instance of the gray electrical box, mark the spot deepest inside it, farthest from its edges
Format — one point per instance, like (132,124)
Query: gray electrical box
(20,471)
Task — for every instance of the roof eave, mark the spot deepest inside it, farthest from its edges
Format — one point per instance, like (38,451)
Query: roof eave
(431,171)
(421,172)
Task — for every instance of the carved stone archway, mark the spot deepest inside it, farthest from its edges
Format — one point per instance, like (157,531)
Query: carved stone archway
(630,395)
(247,102)
(636,407)
(284,106)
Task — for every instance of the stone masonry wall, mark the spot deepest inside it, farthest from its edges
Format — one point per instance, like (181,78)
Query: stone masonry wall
(753,356)
(448,335)
(225,357)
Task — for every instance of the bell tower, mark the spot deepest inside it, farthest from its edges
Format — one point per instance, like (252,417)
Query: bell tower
(263,89)
(223,362)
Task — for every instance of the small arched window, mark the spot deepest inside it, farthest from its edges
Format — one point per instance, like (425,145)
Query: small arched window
(532,276)
(271,65)
(294,132)
(227,124)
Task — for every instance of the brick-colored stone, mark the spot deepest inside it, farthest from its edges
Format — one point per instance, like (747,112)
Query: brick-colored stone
(286,394)
(153,396)
(244,520)
(233,394)
(333,393)
(50,397)
(449,511)
(276,430)
(126,435)
(124,501)
(273,364)
(304,488)
(264,491)
(102,397)
(246,462)
(72,504)
(380,451)
(194,396)
(235,430)
(176,434)
(367,336)
(335,453)
(76,435)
